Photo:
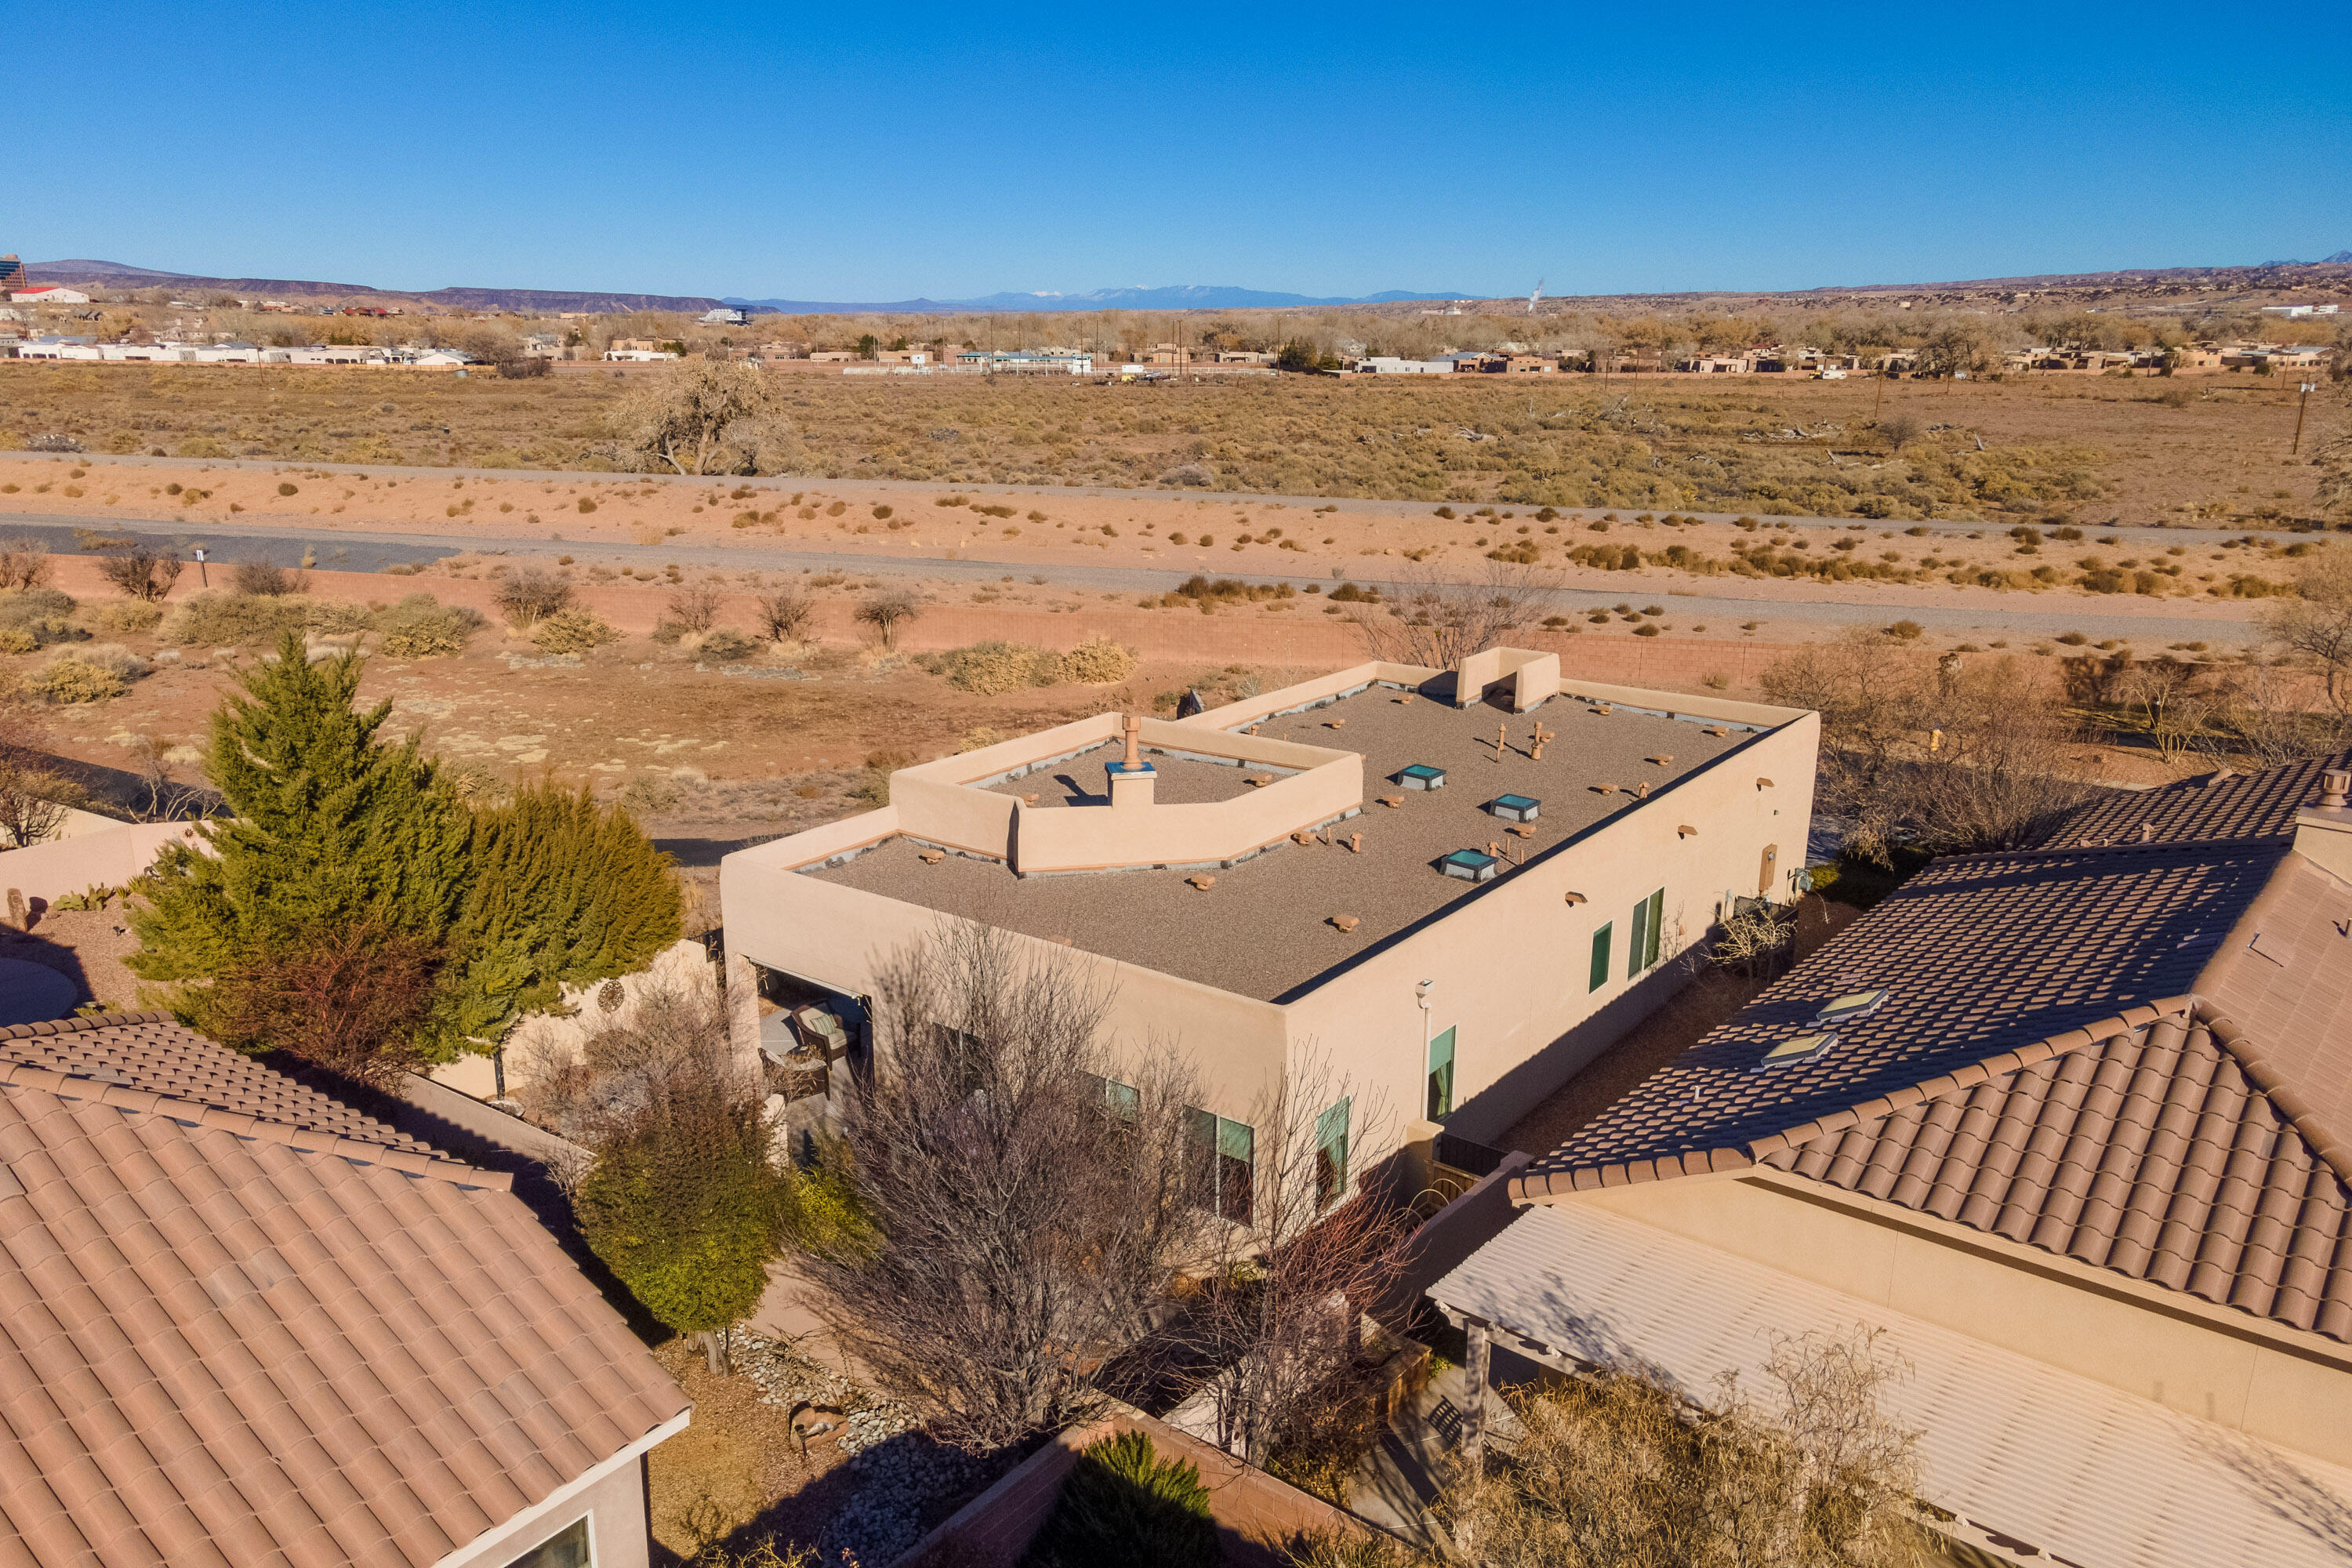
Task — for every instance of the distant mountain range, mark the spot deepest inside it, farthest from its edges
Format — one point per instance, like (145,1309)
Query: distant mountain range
(1178,297)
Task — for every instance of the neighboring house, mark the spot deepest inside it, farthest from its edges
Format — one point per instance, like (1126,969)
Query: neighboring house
(47,294)
(1047,361)
(723,316)
(1389,364)
(242,1322)
(2068,1126)
(1268,885)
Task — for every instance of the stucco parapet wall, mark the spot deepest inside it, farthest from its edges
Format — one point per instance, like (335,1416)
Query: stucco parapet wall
(1319,692)
(1677,705)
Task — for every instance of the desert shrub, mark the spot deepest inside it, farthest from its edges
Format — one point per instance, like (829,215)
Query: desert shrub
(420,626)
(988,668)
(1121,1502)
(40,615)
(531,595)
(887,611)
(1194,474)
(13,639)
(23,563)
(725,645)
(268,578)
(124,617)
(694,608)
(1098,661)
(68,679)
(572,631)
(141,574)
(234,620)
(785,613)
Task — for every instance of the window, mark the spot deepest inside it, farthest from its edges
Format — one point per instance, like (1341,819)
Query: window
(1223,1158)
(568,1548)
(1641,952)
(1441,1076)
(1600,956)
(1119,1099)
(1331,1155)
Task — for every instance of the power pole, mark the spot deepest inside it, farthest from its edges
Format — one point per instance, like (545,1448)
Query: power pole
(2308,388)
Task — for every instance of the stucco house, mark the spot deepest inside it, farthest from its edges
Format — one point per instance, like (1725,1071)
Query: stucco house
(1453,887)
(2068,1127)
(243,1323)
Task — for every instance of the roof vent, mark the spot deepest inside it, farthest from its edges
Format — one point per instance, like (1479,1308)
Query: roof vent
(1803,1048)
(1852,1007)
(2334,787)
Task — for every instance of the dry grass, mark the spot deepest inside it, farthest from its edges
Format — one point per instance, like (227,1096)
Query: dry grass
(2098,446)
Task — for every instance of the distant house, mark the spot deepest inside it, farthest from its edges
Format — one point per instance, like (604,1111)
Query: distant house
(47,294)
(723,316)
(2066,1127)
(1045,362)
(1389,364)
(243,1323)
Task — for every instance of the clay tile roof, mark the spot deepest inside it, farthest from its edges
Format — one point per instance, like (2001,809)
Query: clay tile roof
(2139,1056)
(226,1337)
(2203,809)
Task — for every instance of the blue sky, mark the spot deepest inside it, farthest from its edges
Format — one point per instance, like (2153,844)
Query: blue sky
(878,152)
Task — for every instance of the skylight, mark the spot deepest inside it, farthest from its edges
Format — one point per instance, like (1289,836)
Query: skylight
(1850,1008)
(1803,1048)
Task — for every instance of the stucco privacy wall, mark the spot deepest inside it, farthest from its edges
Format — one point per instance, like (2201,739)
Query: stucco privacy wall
(2212,1362)
(1512,963)
(839,937)
(109,858)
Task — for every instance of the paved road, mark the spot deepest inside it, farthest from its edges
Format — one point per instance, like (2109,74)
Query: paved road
(2157,534)
(371,549)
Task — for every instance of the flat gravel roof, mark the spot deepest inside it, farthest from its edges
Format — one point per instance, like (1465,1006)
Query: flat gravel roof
(1262,929)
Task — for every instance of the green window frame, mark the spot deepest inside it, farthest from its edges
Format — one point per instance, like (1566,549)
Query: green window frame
(1601,940)
(1331,1155)
(1641,952)
(1120,1098)
(1223,1156)
(1440,1102)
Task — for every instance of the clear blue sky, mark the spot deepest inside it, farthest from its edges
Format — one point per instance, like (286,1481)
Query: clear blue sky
(877,152)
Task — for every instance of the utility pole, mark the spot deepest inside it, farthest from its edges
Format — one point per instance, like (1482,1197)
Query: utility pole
(2308,388)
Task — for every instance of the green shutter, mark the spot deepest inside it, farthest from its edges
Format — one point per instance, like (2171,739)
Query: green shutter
(1331,1154)
(1637,937)
(1600,956)
(1441,1076)
(1656,924)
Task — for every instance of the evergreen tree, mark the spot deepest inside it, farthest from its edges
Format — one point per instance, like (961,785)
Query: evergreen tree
(563,893)
(329,828)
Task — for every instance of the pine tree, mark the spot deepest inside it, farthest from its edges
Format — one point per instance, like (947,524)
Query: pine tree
(329,828)
(564,892)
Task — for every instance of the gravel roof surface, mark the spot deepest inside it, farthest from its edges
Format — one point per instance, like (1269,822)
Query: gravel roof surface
(1263,930)
(1081,781)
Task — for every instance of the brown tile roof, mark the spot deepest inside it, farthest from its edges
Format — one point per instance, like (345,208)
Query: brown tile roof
(2203,809)
(226,1338)
(2152,1153)
(151,1051)
(1984,955)
(2136,1056)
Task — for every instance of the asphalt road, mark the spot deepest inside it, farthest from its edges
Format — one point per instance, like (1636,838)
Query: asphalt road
(347,550)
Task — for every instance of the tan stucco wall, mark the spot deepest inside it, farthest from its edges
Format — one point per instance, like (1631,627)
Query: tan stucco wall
(616,1506)
(2281,1386)
(1511,965)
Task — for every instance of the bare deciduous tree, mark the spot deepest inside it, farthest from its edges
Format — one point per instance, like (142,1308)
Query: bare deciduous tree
(702,417)
(695,607)
(23,563)
(888,610)
(528,597)
(144,575)
(29,811)
(1426,618)
(786,614)
(1949,762)
(2316,622)
(1283,1293)
(1029,1210)
(1618,1471)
